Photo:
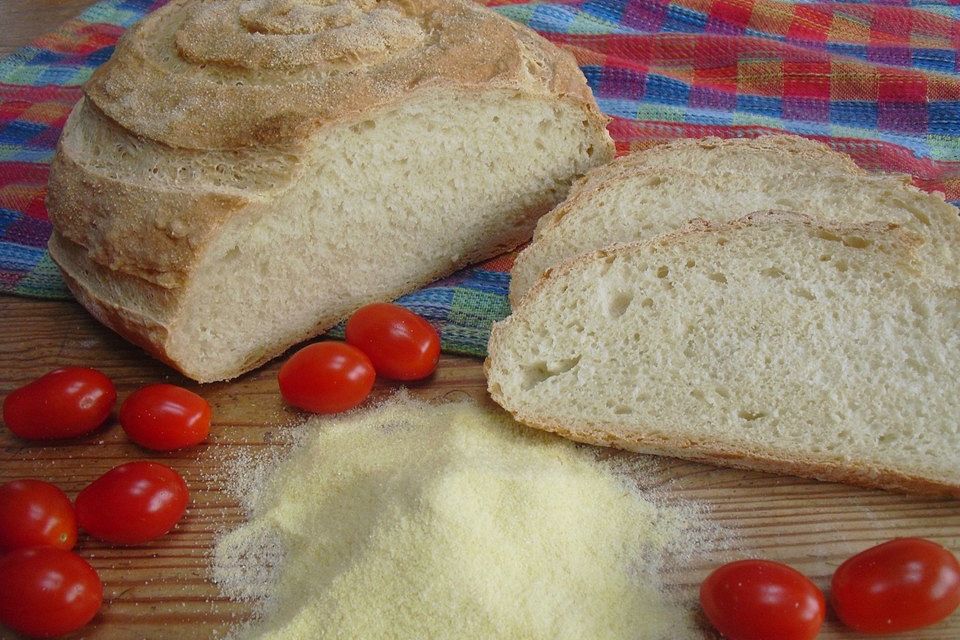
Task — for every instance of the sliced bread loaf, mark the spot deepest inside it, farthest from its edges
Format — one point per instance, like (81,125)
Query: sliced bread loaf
(773,342)
(240,176)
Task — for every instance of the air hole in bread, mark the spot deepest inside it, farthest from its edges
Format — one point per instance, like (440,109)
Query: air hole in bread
(722,392)
(856,242)
(663,271)
(825,235)
(619,303)
(699,395)
(718,277)
(773,272)
(826,258)
(538,372)
(841,265)
(590,151)
(803,293)
(691,263)
(920,308)
(722,241)
(605,265)
(647,303)
(653,181)
(751,416)
(622,410)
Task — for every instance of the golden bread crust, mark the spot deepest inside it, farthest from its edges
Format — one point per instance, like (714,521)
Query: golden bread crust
(236,73)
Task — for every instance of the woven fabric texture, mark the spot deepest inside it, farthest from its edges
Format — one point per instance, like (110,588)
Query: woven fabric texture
(876,80)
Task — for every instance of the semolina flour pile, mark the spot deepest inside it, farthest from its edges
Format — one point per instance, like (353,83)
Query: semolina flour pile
(448,521)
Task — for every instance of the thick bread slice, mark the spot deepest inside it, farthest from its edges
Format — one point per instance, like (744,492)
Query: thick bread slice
(639,196)
(783,153)
(773,342)
(242,175)
(640,204)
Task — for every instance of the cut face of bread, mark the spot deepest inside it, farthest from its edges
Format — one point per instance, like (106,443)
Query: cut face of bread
(242,175)
(638,205)
(640,196)
(780,154)
(385,205)
(773,342)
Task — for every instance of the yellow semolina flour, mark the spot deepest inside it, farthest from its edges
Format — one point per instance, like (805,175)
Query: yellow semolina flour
(425,521)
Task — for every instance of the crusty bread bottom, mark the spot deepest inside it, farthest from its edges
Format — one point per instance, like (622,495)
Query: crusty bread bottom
(712,452)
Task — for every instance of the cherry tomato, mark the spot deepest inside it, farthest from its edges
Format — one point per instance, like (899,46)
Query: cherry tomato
(46,592)
(61,404)
(401,344)
(326,377)
(34,513)
(761,600)
(164,417)
(899,585)
(132,503)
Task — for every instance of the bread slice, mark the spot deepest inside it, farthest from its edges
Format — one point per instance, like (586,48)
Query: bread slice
(640,198)
(241,176)
(788,153)
(773,342)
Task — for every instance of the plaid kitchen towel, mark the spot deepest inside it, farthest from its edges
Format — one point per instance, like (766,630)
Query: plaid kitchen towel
(877,80)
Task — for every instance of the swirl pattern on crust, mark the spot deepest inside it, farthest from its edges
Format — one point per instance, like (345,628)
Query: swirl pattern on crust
(264,34)
(229,74)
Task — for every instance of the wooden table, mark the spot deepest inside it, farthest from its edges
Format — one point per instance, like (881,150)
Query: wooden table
(162,590)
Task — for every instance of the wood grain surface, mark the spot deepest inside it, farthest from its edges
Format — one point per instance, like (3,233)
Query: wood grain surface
(162,590)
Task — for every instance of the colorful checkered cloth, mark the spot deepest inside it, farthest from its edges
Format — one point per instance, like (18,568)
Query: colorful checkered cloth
(878,80)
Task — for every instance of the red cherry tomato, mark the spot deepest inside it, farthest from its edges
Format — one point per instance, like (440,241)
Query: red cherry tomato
(61,404)
(34,513)
(761,600)
(164,417)
(46,592)
(401,344)
(326,377)
(132,503)
(899,585)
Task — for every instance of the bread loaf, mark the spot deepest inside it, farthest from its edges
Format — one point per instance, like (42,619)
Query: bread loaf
(773,342)
(643,195)
(241,175)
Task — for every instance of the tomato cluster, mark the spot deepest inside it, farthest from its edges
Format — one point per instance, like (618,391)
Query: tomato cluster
(74,401)
(901,585)
(56,590)
(382,339)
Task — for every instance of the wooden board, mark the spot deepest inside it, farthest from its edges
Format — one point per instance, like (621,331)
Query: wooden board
(162,590)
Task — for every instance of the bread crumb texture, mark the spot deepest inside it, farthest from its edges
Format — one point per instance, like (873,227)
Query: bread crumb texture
(439,521)
(773,342)
(644,195)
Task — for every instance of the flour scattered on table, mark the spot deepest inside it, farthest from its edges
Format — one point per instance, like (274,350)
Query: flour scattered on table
(432,521)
